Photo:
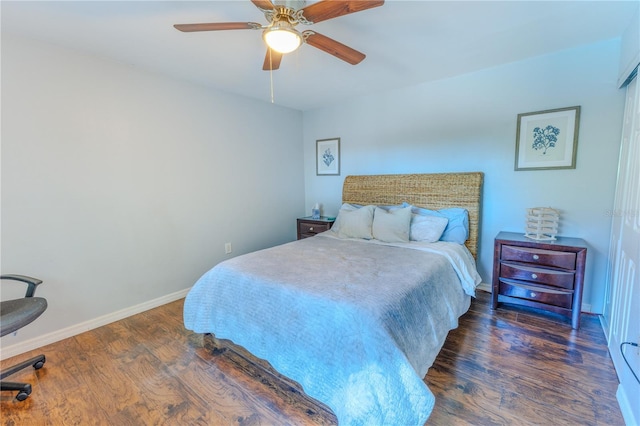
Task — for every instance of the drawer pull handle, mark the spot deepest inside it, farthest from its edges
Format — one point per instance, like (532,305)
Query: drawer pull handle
(311,228)
(534,276)
(533,294)
(536,257)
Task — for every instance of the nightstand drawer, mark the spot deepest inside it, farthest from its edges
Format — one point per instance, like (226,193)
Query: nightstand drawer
(548,296)
(309,227)
(313,228)
(539,275)
(558,259)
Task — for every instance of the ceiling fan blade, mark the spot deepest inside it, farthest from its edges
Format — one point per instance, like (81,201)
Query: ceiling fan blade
(218,26)
(333,47)
(329,9)
(263,4)
(272,60)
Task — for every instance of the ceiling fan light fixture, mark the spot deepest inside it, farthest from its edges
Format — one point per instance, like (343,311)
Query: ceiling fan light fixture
(282,38)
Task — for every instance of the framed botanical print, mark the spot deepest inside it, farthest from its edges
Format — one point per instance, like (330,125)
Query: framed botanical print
(547,139)
(328,157)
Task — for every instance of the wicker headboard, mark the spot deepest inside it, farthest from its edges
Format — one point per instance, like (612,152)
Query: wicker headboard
(432,191)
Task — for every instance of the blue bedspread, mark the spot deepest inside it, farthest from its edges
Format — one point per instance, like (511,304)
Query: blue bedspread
(357,324)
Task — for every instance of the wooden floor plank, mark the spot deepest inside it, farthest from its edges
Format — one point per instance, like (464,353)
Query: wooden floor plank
(512,366)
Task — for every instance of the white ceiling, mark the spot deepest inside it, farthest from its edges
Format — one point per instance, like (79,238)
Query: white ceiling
(406,42)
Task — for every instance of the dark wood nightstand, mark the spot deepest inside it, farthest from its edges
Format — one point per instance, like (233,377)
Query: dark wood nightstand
(546,275)
(308,227)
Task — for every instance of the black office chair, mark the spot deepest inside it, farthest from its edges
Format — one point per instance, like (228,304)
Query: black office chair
(15,314)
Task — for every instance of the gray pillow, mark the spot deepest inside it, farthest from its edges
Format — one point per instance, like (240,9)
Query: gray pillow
(392,226)
(354,223)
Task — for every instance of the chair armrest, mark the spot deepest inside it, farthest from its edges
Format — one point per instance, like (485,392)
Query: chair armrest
(31,282)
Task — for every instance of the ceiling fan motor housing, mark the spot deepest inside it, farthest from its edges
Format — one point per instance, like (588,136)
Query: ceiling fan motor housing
(281,34)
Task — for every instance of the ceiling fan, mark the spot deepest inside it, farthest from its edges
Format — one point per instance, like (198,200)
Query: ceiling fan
(281,35)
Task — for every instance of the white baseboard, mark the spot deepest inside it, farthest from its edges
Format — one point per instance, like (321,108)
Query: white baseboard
(56,336)
(484,287)
(625,407)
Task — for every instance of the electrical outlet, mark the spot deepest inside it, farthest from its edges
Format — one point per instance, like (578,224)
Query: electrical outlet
(227,248)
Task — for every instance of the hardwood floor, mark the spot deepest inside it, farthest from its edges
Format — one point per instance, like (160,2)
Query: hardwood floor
(504,367)
(515,366)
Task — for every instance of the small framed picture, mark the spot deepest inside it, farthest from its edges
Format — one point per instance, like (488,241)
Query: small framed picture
(328,157)
(547,139)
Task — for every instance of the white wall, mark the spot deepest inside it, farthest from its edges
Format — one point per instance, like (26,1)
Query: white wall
(630,48)
(120,186)
(468,123)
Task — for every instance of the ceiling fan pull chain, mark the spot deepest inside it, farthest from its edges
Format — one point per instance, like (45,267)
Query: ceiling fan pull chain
(271,76)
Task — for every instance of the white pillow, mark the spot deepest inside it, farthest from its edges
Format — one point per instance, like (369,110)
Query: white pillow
(354,223)
(457,229)
(392,226)
(347,207)
(427,228)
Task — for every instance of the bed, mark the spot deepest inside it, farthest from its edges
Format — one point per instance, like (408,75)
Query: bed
(356,322)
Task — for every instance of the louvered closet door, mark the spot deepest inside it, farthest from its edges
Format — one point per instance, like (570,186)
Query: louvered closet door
(623,312)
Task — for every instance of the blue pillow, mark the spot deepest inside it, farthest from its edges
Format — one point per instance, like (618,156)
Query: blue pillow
(457,229)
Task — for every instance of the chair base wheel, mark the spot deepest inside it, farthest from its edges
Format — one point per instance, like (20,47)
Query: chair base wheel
(21,396)
(40,363)
(24,389)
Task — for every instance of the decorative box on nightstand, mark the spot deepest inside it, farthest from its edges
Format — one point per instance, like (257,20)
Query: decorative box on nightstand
(546,275)
(308,227)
